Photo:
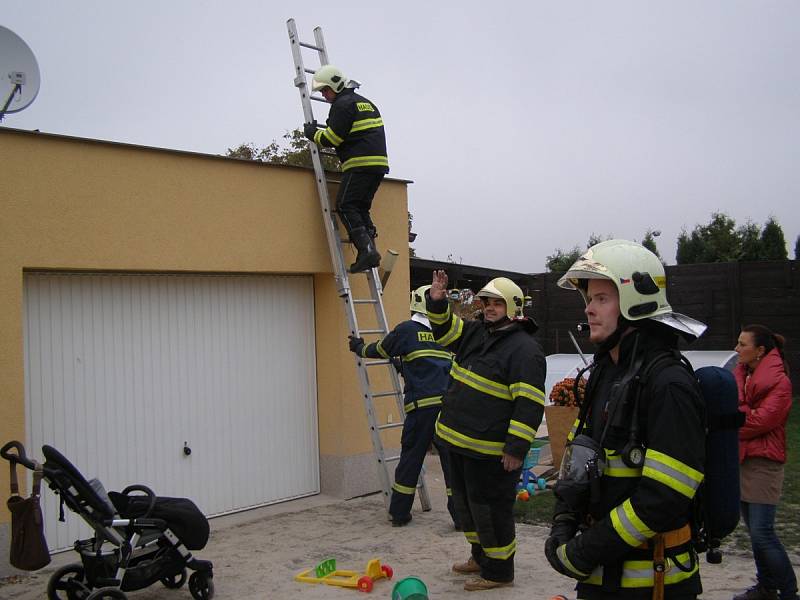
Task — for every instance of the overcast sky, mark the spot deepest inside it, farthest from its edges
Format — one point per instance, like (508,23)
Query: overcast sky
(525,126)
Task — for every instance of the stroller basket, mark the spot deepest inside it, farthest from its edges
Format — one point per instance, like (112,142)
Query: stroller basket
(140,538)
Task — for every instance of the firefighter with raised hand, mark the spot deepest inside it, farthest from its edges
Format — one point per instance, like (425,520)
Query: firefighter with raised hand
(635,459)
(425,368)
(355,130)
(488,420)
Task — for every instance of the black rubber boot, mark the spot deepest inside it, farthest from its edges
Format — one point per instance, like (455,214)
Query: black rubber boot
(368,257)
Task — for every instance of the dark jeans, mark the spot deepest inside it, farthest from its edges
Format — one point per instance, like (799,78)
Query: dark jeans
(354,199)
(773,569)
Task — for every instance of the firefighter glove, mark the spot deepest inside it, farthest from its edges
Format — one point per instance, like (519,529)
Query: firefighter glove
(564,528)
(356,344)
(564,559)
(310,129)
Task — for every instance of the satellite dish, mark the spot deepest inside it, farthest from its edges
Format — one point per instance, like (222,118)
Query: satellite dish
(19,73)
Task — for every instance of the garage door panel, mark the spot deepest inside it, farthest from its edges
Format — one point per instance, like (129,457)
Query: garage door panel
(122,370)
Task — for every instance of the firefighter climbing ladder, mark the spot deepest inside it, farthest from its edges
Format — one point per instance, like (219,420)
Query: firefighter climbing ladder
(335,245)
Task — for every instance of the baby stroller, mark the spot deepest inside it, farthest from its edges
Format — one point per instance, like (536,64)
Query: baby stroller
(139,538)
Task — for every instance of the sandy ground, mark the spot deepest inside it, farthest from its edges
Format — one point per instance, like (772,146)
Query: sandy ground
(256,554)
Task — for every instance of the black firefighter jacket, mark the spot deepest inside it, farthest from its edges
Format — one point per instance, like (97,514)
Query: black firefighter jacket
(425,366)
(634,504)
(355,131)
(495,402)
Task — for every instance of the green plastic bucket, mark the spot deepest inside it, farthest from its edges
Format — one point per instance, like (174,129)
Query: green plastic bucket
(410,588)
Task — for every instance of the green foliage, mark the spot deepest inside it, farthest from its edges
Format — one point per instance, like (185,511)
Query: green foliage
(560,261)
(772,241)
(649,242)
(722,241)
(293,151)
(751,246)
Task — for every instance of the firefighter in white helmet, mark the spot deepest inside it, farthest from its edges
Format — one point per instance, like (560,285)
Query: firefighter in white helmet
(489,418)
(355,130)
(636,454)
(425,367)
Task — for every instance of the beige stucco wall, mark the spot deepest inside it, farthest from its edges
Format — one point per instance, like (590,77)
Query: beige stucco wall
(79,204)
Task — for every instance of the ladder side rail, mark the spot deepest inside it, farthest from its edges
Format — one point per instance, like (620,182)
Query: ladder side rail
(331,231)
(380,315)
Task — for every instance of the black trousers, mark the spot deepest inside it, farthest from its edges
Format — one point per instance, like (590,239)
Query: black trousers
(418,430)
(354,199)
(484,494)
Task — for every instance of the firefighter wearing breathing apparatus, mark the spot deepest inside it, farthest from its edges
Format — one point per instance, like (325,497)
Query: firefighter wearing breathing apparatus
(489,418)
(425,368)
(635,457)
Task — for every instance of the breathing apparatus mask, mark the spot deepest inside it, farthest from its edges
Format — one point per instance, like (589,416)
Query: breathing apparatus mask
(581,468)
(584,458)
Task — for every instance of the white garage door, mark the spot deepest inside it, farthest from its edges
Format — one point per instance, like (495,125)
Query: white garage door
(122,372)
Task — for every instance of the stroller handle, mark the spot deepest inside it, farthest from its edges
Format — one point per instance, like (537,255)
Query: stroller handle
(151,497)
(19,457)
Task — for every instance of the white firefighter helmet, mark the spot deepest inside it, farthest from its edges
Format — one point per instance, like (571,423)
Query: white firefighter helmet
(505,289)
(639,278)
(328,76)
(418,299)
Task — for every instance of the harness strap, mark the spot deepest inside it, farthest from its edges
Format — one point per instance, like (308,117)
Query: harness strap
(672,538)
(658,567)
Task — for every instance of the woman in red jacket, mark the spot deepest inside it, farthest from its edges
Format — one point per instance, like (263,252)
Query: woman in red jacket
(765,397)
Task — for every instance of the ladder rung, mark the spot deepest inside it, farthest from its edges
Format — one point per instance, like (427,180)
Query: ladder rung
(310,46)
(375,363)
(388,459)
(362,301)
(390,426)
(318,99)
(384,394)
(362,331)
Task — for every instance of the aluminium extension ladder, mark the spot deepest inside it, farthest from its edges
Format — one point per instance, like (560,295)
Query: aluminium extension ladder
(340,272)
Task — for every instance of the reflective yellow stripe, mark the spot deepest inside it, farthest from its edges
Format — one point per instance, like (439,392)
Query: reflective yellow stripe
(521,430)
(616,467)
(381,351)
(404,489)
(366,124)
(628,525)
(482,384)
(427,354)
(472,537)
(562,555)
(526,390)
(573,429)
(463,441)
(331,135)
(456,328)
(423,403)
(639,573)
(365,161)
(318,137)
(439,318)
(671,472)
(449,491)
(502,553)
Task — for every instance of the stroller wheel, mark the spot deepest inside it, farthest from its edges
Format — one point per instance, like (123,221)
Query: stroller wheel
(201,585)
(174,581)
(68,583)
(107,592)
